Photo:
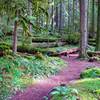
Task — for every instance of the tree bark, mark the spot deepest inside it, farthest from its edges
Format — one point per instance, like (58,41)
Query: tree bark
(15,35)
(73,15)
(93,20)
(57,18)
(60,21)
(76,16)
(30,13)
(83,27)
(70,16)
(98,29)
(52,22)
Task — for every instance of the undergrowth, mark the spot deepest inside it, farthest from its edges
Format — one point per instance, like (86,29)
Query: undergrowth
(92,72)
(88,88)
(18,72)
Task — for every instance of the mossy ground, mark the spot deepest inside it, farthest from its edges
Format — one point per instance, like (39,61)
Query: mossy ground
(87,88)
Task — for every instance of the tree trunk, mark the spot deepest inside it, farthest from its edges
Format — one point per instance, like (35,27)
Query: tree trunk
(60,21)
(93,20)
(29,38)
(56,18)
(76,16)
(73,15)
(70,16)
(15,38)
(98,29)
(30,13)
(83,27)
(52,22)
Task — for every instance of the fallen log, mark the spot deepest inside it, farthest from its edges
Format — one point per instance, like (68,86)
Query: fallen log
(95,53)
(70,51)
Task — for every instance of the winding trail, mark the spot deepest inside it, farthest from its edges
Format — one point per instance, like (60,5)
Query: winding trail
(67,75)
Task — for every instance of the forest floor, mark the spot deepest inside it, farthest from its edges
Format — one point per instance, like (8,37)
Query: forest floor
(65,76)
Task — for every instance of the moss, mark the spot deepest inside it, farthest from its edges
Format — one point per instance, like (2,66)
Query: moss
(42,39)
(91,73)
(87,88)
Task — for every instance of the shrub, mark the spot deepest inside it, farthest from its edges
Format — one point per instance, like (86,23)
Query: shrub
(73,38)
(39,55)
(63,92)
(90,73)
(5,87)
(4,49)
(4,46)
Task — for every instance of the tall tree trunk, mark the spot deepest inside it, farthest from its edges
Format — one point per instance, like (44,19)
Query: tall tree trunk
(30,13)
(70,16)
(56,18)
(15,34)
(73,15)
(52,22)
(93,20)
(62,14)
(76,18)
(60,21)
(83,27)
(98,29)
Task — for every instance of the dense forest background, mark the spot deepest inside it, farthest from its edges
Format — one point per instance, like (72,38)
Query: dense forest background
(55,40)
(50,17)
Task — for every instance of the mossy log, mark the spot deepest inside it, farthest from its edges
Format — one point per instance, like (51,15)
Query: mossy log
(45,39)
(71,51)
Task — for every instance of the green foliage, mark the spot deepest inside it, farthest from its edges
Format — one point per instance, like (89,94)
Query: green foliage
(18,72)
(87,88)
(72,38)
(64,93)
(5,88)
(1,33)
(39,55)
(4,46)
(5,25)
(91,73)
(97,92)
(5,49)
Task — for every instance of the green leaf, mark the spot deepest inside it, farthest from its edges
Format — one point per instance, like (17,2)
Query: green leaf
(55,93)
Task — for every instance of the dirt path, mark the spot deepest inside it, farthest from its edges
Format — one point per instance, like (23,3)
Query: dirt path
(68,74)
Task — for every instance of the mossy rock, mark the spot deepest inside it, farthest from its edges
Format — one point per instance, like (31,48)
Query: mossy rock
(90,73)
